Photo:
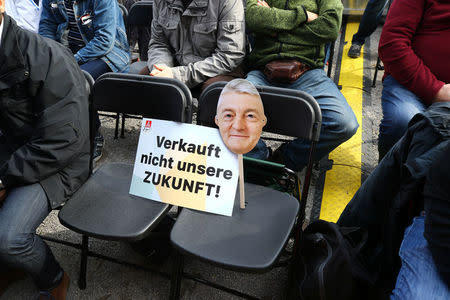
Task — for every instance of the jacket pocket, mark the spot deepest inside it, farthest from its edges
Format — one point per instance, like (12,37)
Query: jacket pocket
(231,37)
(56,12)
(204,38)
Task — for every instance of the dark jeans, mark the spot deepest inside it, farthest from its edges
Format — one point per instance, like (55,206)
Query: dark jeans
(22,212)
(369,21)
(96,68)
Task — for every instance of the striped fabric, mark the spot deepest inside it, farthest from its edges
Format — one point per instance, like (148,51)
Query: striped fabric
(74,38)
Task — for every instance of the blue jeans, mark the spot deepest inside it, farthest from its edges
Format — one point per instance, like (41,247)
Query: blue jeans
(338,120)
(399,106)
(369,21)
(96,68)
(21,213)
(418,277)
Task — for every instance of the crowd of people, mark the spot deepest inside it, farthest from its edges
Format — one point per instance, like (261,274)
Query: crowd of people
(45,45)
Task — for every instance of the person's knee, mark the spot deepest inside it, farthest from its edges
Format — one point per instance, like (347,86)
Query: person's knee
(349,127)
(343,126)
(13,244)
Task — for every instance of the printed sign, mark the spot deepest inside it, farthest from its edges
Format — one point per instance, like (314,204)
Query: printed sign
(185,165)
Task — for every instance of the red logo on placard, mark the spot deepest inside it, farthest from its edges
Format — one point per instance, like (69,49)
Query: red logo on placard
(148,125)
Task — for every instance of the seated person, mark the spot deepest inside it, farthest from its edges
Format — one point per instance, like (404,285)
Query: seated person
(406,247)
(44,148)
(97,38)
(26,13)
(299,30)
(197,41)
(415,51)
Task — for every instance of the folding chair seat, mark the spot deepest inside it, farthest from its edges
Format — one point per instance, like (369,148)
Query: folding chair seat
(253,238)
(103,207)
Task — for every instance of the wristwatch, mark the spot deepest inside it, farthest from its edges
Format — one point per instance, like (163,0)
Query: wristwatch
(1,185)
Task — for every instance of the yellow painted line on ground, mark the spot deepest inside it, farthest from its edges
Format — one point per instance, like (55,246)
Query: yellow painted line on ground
(341,182)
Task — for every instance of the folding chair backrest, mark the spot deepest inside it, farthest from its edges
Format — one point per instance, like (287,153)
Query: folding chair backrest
(89,80)
(289,112)
(155,97)
(141,14)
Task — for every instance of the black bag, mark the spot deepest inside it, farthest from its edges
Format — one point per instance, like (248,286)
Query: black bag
(329,265)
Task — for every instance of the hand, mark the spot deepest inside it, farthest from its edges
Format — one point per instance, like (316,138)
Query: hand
(443,94)
(311,16)
(2,196)
(161,71)
(262,3)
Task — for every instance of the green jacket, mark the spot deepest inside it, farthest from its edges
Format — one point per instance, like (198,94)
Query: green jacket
(281,31)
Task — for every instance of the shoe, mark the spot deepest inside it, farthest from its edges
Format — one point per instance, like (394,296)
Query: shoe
(9,277)
(59,292)
(99,142)
(354,51)
(278,155)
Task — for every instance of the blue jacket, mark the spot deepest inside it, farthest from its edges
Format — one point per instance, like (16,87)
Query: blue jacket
(101,26)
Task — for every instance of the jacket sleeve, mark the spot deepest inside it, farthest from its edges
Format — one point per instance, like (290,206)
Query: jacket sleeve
(159,49)
(105,27)
(230,49)
(60,130)
(271,20)
(326,27)
(294,22)
(47,24)
(395,50)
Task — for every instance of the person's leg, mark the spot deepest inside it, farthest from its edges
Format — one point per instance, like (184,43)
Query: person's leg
(399,106)
(367,26)
(369,20)
(418,277)
(22,212)
(95,67)
(338,120)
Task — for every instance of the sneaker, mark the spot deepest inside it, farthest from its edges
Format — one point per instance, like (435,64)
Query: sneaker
(354,51)
(8,277)
(278,155)
(99,142)
(59,292)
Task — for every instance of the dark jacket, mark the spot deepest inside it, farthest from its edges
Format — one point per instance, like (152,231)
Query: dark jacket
(393,194)
(436,196)
(43,115)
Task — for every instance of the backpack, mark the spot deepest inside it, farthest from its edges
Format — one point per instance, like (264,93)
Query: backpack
(328,264)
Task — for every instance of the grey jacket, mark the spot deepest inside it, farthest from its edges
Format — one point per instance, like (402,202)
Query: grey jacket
(204,40)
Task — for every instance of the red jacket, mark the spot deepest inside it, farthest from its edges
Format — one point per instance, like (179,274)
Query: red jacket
(415,45)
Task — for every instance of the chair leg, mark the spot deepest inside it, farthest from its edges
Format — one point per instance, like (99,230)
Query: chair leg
(177,273)
(122,132)
(83,264)
(116,131)
(374,81)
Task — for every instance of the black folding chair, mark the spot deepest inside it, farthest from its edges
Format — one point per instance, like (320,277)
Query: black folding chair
(140,17)
(102,207)
(252,239)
